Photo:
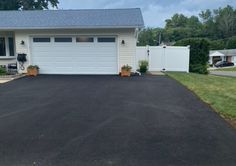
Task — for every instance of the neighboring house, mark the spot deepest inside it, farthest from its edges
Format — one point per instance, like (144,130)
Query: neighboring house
(71,41)
(222,55)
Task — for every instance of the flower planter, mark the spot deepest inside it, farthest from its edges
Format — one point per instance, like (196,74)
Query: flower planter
(32,72)
(125,73)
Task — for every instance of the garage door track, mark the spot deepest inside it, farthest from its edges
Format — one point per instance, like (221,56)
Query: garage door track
(109,121)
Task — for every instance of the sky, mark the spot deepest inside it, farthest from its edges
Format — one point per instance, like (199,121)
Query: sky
(155,12)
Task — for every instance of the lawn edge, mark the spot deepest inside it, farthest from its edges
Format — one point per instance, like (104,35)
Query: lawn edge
(229,120)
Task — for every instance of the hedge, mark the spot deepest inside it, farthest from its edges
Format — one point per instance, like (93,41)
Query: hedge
(199,54)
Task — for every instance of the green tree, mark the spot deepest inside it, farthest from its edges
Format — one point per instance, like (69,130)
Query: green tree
(225,20)
(231,43)
(206,16)
(209,28)
(27,4)
(217,44)
(217,26)
(177,21)
(9,5)
(148,37)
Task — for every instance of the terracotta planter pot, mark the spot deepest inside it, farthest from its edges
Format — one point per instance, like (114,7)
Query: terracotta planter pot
(125,73)
(32,72)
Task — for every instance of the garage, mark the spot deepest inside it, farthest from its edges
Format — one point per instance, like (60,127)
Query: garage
(90,42)
(75,54)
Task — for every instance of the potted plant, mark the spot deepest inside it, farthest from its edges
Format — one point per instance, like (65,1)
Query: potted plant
(32,70)
(126,71)
(143,66)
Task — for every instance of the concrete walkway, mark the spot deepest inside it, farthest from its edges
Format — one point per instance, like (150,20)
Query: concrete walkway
(4,81)
(224,73)
(7,78)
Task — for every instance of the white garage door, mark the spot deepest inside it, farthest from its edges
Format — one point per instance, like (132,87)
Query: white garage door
(75,55)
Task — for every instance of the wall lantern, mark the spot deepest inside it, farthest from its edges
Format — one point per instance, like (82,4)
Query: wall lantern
(123,42)
(22,42)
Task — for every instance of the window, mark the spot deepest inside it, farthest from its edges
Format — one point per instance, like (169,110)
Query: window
(2,47)
(42,40)
(7,47)
(63,39)
(106,40)
(85,39)
(11,46)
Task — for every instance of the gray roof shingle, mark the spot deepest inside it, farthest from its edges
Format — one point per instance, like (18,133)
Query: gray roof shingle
(86,18)
(226,52)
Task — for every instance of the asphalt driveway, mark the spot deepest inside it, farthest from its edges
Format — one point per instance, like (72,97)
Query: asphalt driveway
(109,121)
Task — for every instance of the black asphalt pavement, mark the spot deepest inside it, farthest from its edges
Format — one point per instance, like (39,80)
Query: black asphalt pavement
(109,121)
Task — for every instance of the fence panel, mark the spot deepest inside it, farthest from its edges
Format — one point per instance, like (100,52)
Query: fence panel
(167,58)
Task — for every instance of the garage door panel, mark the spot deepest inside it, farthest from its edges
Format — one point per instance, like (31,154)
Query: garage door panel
(75,58)
(63,51)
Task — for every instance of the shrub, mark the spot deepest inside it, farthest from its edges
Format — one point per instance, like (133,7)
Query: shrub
(126,67)
(3,71)
(143,66)
(199,54)
(199,68)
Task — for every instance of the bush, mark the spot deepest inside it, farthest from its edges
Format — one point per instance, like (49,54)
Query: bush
(3,71)
(198,68)
(143,66)
(199,54)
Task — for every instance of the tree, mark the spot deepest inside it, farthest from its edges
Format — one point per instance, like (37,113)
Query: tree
(217,26)
(217,44)
(206,16)
(231,44)
(147,37)
(9,5)
(225,20)
(209,26)
(177,21)
(27,4)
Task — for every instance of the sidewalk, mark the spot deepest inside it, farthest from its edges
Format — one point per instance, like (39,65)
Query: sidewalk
(224,73)
(7,78)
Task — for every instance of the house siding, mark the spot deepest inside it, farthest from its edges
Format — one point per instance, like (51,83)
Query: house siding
(126,52)
(234,59)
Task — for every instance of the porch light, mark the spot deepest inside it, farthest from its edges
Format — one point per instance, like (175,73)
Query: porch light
(123,42)
(22,42)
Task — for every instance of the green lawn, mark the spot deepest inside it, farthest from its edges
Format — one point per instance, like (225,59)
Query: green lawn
(219,92)
(227,69)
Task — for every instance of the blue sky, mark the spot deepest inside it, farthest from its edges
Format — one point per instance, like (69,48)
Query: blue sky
(155,12)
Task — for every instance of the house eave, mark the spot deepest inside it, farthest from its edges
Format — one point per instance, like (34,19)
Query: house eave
(72,27)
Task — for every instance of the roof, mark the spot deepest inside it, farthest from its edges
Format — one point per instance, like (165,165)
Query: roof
(216,53)
(61,19)
(229,52)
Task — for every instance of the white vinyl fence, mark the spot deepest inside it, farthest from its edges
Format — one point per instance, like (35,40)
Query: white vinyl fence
(164,58)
